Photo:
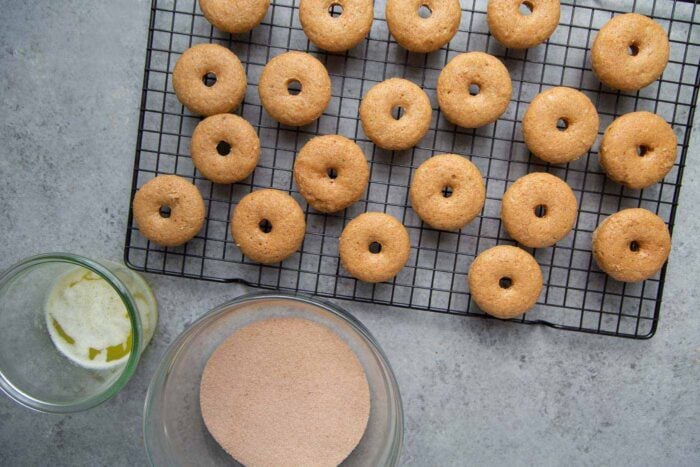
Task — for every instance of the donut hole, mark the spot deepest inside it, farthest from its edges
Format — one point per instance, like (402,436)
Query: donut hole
(164,211)
(642,150)
(209,79)
(562,124)
(223,148)
(332,173)
(447,191)
(424,11)
(526,8)
(474,89)
(293,87)
(540,210)
(397,112)
(633,50)
(634,246)
(375,247)
(335,10)
(265,226)
(505,282)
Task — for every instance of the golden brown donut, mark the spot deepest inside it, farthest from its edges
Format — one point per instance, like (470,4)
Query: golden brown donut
(194,65)
(505,281)
(268,226)
(517,31)
(336,33)
(234,16)
(474,89)
(168,210)
(630,52)
(374,247)
(225,148)
(331,172)
(294,109)
(631,245)
(560,145)
(447,191)
(419,34)
(638,149)
(379,123)
(538,210)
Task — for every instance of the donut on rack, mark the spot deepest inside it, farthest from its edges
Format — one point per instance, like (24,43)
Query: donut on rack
(168,210)
(268,226)
(289,106)
(505,281)
(423,33)
(194,88)
(630,52)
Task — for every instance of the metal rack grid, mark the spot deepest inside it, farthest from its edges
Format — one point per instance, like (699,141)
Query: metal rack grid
(577,295)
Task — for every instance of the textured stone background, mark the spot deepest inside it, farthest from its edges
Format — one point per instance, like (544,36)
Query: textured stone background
(474,392)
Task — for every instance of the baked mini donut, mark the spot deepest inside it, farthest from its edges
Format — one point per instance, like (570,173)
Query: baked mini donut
(225,148)
(631,245)
(374,247)
(379,123)
(190,74)
(638,149)
(331,172)
(474,89)
(630,52)
(518,31)
(418,34)
(336,33)
(168,210)
(285,106)
(538,210)
(505,281)
(268,226)
(234,16)
(447,191)
(560,125)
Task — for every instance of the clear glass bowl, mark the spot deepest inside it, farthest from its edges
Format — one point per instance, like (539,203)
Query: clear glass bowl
(174,432)
(33,372)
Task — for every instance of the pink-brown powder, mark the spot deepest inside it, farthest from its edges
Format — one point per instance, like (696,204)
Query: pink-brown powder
(285,392)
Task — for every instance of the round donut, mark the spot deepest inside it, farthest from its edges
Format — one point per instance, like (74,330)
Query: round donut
(638,149)
(378,122)
(225,148)
(630,52)
(190,72)
(374,247)
(419,34)
(505,281)
(234,16)
(538,210)
(447,191)
(474,89)
(294,109)
(331,172)
(168,210)
(336,33)
(517,31)
(268,226)
(631,245)
(560,125)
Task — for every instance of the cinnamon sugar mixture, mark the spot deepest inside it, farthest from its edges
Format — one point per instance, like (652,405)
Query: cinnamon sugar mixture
(285,392)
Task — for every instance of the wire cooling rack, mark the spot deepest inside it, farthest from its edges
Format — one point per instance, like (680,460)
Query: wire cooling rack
(576,296)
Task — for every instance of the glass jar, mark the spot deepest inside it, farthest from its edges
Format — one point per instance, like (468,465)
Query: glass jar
(33,371)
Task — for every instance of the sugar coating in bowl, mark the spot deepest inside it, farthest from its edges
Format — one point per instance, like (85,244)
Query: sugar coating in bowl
(285,391)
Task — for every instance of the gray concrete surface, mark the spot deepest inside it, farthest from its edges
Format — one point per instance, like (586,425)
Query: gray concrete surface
(475,392)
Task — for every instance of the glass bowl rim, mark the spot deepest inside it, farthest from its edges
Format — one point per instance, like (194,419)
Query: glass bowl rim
(168,358)
(129,367)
